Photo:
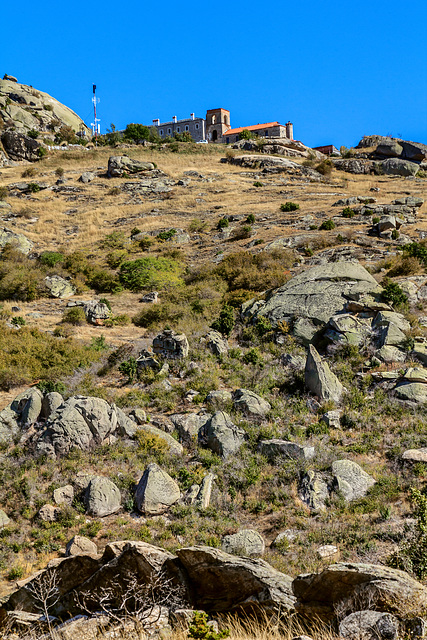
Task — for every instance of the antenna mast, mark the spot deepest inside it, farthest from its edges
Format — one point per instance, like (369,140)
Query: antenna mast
(96,127)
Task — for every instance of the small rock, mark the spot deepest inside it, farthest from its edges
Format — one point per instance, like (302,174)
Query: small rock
(49,513)
(80,546)
(246,542)
(102,497)
(64,495)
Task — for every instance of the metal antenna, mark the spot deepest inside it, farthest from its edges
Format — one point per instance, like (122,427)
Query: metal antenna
(96,127)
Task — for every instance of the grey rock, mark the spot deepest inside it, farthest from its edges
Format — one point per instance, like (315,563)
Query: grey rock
(59,287)
(396,166)
(389,149)
(223,582)
(171,345)
(146,360)
(174,447)
(277,448)
(18,240)
(150,298)
(250,404)
(203,497)
(351,480)
(219,399)
(4,519)
(216,343)
(117,165)
(415,455)
(79,546)
(419,351)
(327,552)
(317,294)
(409,201)
(126,427)
(81,422)
(385,589)
(50,403)
(188,425)
(246,542)
(313,490)
(388,353)
(64,495)
(221,435)
(332,419)
(139,416)
(385,317)
(102,497)
(412,392)
(9,426)
(49,513)
(391,335)
(320,380)
(87,176)
(156,491)
(369,625)
(20,147)
(96,312)
(28,405)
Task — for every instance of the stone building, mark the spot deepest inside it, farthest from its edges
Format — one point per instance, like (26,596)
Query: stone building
(266,130)
(195,126)
(217,123)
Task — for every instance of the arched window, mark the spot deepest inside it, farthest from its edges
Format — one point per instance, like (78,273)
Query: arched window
(225,119)
(178,129)
(161,132)
(187,128)
(169,131)
(197,125)
(213,119)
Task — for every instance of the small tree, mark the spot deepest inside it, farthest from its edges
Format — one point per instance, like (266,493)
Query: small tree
(225,323)
(136,132)
(246,135)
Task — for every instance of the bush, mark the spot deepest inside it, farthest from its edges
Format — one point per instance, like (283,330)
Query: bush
(116,257)
(3,192)
(33,187)
(223,223)
(348,213)
(150,272)
(51,258)
(199,629)
(20,279)
(393,293)
(416,250)
(59,172)
(250,219)
(289,206)
(115,240)
(257,183)
(225,323)
(166,235)
(75,316)
(104,281)
(29,172)
(325,167)
(327,225)
(246,135)
(136,132)
(242,233)
(18,321)
(129,369)
(33,133)
(412,556)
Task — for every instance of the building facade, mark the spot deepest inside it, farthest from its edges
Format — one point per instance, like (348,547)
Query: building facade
(216,127)
(196,127)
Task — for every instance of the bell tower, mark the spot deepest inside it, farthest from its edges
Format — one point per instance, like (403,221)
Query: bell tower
(217,123)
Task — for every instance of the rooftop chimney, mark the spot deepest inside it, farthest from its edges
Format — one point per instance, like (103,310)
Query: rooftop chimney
(156,122)
(192,116)
(174,118)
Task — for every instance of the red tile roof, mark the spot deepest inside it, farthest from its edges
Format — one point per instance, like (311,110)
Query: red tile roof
(254,127)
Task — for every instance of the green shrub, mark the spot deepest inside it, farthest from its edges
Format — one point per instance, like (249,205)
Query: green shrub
(347,212)
(116,257)
(51,258)
(375,220)
(150,272)
(166,235)
(242,233)
(104,281)
(20,278)
(416,250)
(325,167)
(223,223)
(129,369)
(75,316)
(199,629)
(246,135)
(33,187)
(42,152)
(327,225)
(289,206)
(114,240)
(252,356)
(59,172)
(18,321)
(3,192)
(33,133)
(225,323)
(393,293)
(257,183)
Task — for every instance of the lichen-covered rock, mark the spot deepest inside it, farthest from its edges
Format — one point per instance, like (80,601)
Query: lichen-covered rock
(4,519)
(118,165)
(369,625)
(250,403)
(189,424)
(102,497)
(221,435)
(320,380)
(399,167)
(216,343)
(351,480)
(156,491)
(276,448)
(246,542)
(313,490)
(171,345)
(59,287)
(17,240)
(64,495)
(79,546)
(385,589)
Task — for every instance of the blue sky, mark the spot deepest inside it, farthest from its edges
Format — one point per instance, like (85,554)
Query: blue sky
(337,69)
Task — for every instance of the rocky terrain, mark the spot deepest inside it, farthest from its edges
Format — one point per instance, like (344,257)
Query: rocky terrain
(213,387)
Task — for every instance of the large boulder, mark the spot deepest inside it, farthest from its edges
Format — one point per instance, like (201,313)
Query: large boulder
(246,542)
(17,240)
(216,343)
(188,425)
(59,287)
(277,448)
(102,497)
(171,345)
(320,380)
(250,403)
(369,625)
(221,435)
(118,165)
(20,147)
(317,294)
(156,491)
(399,167)
(223,582)
(385,589)
(24,410)
(351,480)
(79,422)
(80,546)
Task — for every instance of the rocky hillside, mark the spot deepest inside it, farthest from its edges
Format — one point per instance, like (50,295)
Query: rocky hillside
(213,390)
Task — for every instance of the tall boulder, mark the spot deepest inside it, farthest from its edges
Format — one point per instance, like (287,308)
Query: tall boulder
(320,380)
(221,435)
(156,491)
(102,497)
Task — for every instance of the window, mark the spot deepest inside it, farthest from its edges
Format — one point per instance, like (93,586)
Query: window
(161,132)
(187,128)
(169,131)
(178,129)
(225,120)
(213,119)
(197,125)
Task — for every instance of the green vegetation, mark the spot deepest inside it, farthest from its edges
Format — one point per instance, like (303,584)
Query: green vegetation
(156,273)
(225,323)
(393,293)
(327,225)
(246,135)
(348,212)
(289,206)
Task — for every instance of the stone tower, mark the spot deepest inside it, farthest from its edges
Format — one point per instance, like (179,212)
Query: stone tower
(217,123)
